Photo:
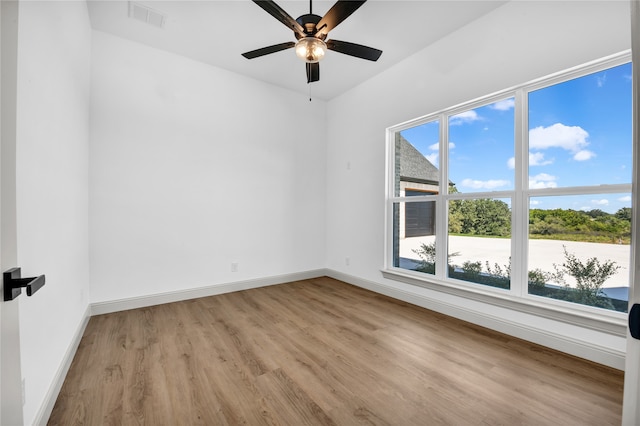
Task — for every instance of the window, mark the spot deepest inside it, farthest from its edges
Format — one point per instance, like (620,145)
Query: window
(416,181)
(580,131)
(579,248)
(524,194)
(481,142)
(479,241)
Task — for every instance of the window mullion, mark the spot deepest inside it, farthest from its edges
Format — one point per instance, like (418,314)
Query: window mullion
(390,240)
(442,220)
(519,211)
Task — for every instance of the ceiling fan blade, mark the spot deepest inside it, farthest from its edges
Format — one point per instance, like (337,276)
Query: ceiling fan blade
(277,12)
(352,49)
(269,49)
(313,72)
(338,13)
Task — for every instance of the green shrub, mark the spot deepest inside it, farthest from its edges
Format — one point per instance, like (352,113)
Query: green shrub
(590,276)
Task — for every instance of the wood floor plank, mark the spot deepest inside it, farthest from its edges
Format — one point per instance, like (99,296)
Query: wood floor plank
(289,401)
(321,352)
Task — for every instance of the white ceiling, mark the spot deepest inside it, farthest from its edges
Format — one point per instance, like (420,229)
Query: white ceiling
(217,32)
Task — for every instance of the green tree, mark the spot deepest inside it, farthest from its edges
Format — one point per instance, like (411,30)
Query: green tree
(455,217)
(624,214)
(482,216)
(596,213)
(593,225)
(546,225)
(493,217)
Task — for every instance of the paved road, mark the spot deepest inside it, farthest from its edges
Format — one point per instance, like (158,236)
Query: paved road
(542,253)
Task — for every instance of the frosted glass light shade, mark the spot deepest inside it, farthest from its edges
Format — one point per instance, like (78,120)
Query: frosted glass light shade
(311,49)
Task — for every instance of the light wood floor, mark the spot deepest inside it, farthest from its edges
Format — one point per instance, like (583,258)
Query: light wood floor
(322,352)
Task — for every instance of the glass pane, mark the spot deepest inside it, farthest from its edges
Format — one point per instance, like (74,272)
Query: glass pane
(481,148)
(580,131)
(480,241)
(579,249)
(414,236)
(417,154)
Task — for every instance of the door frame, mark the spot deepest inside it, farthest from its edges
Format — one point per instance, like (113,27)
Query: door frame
(631,406)
(10,369)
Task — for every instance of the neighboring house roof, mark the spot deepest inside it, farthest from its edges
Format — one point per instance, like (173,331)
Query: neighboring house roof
(414,167)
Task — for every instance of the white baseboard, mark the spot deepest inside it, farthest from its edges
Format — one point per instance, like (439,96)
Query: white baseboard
(177,296)
(587,350)
(43,414)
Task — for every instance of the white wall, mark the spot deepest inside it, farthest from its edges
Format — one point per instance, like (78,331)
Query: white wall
(517,42)
(52,186)
(192,168)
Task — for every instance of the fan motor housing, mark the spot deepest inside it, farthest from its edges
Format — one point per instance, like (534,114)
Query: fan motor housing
(309,22)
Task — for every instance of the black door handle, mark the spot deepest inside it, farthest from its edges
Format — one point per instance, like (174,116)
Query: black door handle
(13,283)
(634,321)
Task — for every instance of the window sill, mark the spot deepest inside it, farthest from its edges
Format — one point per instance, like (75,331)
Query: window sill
(613,324)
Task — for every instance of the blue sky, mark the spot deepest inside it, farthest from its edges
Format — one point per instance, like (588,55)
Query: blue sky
(579,135)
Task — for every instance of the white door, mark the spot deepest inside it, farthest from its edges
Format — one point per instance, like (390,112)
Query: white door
(631,405)
(10,371)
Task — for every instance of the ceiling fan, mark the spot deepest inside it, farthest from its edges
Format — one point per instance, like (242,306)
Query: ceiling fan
(311,32)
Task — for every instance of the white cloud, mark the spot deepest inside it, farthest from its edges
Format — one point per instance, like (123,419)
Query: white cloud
(584,155)
(540,185)
(602,202)
(484,184)
(542,180)
(601,80)
(436,146)
(464,117)
(504,105)
(534,202)
(543,177)
(433,158)
(535,159)
(570,138)
(625,198)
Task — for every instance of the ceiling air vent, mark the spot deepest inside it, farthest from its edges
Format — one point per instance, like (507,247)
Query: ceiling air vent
(146,14)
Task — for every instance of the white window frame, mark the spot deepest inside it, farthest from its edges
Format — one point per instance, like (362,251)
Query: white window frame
(517,297)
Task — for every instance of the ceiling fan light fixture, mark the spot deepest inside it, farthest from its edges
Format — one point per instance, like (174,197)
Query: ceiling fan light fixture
(311,49)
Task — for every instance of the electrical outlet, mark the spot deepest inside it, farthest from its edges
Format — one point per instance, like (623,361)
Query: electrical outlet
(234,267)
(347,261)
